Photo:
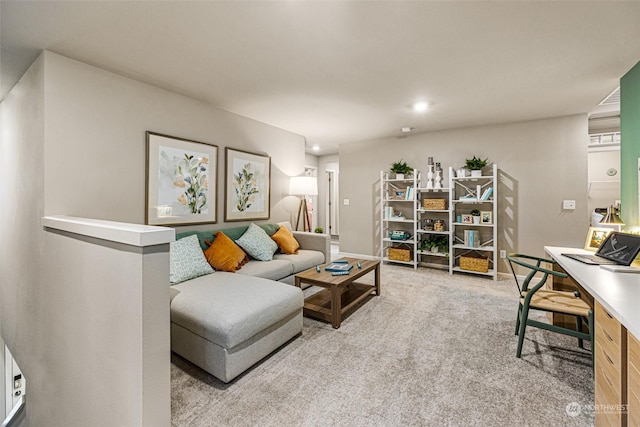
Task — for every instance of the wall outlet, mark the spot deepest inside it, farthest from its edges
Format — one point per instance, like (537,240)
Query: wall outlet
(568,204)
(503,254)
(346,202)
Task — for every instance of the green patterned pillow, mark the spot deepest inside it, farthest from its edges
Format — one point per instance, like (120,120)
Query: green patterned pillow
(257,243)
(186,260)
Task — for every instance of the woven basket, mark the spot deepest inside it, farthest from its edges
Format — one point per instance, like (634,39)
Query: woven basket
(396,254)
(434,204)
(474,264)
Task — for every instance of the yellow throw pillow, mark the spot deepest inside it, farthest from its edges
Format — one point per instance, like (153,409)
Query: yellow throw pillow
(285,240)
(224,254)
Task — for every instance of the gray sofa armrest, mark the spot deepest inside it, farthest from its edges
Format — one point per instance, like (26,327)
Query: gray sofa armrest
(315,242)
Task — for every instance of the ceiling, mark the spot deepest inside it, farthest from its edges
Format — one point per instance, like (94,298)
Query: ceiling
(338,72)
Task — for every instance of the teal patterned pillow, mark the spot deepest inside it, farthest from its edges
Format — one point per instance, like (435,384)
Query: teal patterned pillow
(257,243)
(186,260)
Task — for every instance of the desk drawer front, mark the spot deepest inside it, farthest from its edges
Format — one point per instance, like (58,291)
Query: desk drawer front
(609,324)
(633,383)
(608,350)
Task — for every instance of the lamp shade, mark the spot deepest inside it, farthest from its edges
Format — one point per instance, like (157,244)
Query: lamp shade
(612,217)
(303,186)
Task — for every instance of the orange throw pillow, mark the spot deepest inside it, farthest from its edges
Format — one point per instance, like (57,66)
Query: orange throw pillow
(224,254)
(285,240)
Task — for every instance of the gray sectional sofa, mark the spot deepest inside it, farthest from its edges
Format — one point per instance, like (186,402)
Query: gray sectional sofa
(226,322)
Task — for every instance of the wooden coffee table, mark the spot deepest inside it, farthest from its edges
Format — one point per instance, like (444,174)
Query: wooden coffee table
(340,293)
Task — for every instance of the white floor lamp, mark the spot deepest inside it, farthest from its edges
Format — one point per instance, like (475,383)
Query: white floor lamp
(303,186)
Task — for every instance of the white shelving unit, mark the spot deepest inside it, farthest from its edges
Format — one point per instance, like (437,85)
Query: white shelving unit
(434,259)
(389,190)
(464,198)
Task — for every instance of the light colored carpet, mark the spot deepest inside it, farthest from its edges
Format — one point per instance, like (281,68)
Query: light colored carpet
(433,350)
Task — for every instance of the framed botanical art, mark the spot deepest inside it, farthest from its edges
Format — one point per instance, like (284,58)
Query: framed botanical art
(595,237)
(247,186)
(181,181)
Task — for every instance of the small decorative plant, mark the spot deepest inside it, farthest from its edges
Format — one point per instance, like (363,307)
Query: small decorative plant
(440,243)
(318,230)
(475,163)
(475,212)
(401,167)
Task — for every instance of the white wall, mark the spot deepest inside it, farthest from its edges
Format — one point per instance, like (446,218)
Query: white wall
(74,144)
(95,141)
(541,163)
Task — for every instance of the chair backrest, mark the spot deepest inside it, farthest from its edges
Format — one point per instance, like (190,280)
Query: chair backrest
(534,269)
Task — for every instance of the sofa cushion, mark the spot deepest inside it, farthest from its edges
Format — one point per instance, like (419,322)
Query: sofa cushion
(224,254)
(275,269)
(285,240)
(228,309)
(257,243)
(234,233)
(186,260)
(303,260)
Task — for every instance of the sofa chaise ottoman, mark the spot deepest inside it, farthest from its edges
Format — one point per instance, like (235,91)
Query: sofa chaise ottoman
(226,322)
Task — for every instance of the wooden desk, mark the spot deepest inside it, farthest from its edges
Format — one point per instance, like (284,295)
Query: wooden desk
(616,297)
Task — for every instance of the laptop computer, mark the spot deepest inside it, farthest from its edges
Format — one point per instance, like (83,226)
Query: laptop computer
(617,248)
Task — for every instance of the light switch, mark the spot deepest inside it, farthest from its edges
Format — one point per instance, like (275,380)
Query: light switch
(568,204)
(346,202)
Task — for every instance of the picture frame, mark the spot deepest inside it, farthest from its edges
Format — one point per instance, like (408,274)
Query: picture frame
(467,219)
(595,237)
(247,186)
(181,183)
(486,217)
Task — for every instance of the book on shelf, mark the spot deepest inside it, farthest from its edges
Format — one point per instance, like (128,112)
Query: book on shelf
(471,238)
(487,193)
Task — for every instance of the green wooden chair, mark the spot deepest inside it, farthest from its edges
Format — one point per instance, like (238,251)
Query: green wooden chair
(533,297)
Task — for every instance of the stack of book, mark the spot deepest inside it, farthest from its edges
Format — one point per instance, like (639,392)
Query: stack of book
(471,238)
(486,194)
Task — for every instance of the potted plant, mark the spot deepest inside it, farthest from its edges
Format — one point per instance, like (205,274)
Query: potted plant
(401,168)
(319,230)
(475,213)
(475,165)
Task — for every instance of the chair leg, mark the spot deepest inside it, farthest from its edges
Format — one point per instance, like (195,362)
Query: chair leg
(523,326)
(579,329)
(518,318)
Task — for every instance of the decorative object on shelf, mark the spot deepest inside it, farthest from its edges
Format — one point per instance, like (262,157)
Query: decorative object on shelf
(595,237)
(434,204)
(435,244)
(461,173)
(318,230)
(486,217)
(472,263)
(475,213)
(303,186)
(401,168)
(181,181)
(467,219)
(475,164)
(428,225)
(438,178)
(399,235)
(438,225)
(400,254)
(247,186)
(429,185)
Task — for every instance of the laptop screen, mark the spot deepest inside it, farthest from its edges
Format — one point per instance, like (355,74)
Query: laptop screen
(620,247)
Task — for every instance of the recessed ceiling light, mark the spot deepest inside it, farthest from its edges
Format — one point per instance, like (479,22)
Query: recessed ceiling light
(406,129)
(315,148)
(420,107)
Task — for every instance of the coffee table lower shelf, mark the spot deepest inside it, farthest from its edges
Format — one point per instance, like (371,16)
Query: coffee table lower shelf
(319,306)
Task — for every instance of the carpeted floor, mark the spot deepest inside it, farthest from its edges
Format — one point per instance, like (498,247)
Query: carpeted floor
(433,350)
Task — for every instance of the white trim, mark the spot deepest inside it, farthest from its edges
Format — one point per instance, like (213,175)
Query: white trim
(121,232)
